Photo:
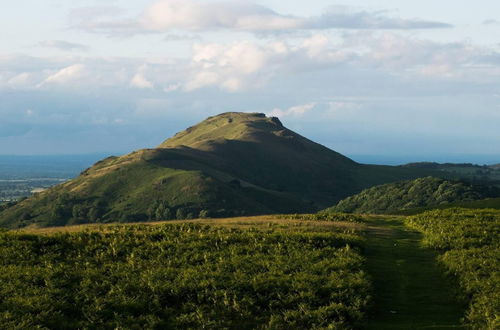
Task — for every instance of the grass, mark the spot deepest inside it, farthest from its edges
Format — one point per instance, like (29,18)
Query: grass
(262,222)
(469,247)
(410,288)
(273,274)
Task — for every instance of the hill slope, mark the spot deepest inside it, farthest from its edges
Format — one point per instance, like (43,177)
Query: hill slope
(408,195)
(230,164)
(473,173)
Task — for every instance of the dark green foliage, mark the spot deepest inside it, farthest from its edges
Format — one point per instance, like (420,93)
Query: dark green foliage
(478,174)
(407,195)
(182,276)
(488,203)
(469,241)
(229,165)
(6,205)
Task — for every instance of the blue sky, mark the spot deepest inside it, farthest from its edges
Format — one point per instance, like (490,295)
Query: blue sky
(398,79)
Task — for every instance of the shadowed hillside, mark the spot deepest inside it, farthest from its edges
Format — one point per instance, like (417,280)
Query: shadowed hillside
(419,194)
(230,164)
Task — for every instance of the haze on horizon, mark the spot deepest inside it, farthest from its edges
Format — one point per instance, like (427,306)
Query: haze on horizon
(416,80)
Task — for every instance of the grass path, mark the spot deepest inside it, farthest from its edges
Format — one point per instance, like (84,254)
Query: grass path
(410,291)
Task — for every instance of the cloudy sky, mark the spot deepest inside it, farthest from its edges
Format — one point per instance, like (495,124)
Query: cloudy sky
(373,79)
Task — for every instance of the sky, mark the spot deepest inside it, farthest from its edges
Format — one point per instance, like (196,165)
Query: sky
(377,80)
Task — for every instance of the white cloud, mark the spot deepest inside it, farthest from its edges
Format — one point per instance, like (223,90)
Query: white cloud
(295,111)
(172,88)
(251,65)
(140,81)
(245,64)
(195,15)
(69,74)
(23,79)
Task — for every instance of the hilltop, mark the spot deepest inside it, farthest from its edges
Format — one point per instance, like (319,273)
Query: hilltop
(228,165)
(422,193)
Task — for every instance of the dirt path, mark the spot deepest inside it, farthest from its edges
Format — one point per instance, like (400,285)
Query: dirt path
(410,290)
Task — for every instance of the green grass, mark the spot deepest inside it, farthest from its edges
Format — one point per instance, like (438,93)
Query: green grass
(410,288)
(469,246)
(271,275)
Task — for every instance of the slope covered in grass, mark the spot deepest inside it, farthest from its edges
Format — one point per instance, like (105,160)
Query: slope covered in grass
(228,165)
(413,194)
(180,276)
(469,243)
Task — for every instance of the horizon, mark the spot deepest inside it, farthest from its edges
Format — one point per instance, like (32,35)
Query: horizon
(372,80)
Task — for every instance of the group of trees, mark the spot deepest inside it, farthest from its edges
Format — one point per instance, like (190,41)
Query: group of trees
(160,210)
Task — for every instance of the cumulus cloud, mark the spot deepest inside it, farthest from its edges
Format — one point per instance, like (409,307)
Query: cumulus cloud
(64,45)
(247,64)
(295,111)
(66,75)
(139,80)
(195,15)
(251,65)
(23,79)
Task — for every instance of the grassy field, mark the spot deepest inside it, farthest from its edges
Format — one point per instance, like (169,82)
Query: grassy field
(248,273)
(361,272)
(469,246)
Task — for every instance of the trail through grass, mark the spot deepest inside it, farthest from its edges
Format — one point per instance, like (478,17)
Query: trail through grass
(410,289)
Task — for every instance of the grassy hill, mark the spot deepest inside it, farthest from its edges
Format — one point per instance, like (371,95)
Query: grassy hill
(228,165)
(419,194)
(473,173)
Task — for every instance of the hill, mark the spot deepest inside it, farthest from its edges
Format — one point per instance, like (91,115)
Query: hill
(473,173)
(228,165)
(422,193)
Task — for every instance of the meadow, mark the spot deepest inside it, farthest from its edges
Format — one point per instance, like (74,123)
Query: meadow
(301,271)
(469,246)
(184,275)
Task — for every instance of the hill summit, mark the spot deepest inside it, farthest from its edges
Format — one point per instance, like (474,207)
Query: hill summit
(227,165)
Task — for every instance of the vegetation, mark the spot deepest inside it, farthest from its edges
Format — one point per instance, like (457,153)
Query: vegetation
(410,195)
(183,276)
(411,290)
(477,174)
(487,203)
(232,164)
(323,216)
(469,243)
